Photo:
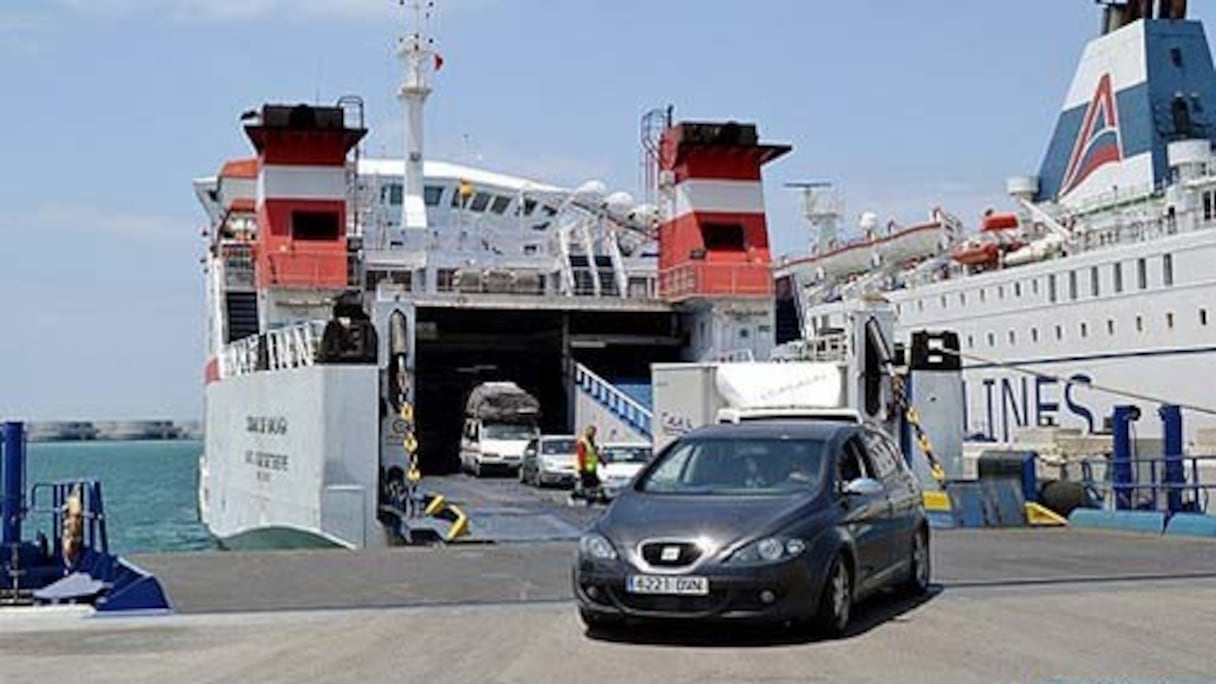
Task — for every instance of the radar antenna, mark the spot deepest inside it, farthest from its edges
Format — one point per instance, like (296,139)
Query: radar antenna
(822,207)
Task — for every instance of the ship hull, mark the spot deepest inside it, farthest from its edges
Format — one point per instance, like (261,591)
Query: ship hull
(291,459)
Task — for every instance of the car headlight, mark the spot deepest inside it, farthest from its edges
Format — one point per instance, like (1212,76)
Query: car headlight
(768,550)
(596,546)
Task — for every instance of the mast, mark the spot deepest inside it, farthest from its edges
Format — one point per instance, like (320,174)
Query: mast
(417,51)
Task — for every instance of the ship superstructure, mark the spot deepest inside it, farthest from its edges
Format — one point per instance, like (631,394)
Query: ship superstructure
(1098,289)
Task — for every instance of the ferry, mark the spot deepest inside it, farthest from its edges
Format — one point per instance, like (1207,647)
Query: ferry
(354,303)
(1096,289)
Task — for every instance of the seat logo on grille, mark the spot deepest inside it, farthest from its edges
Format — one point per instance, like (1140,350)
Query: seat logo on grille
(670,554)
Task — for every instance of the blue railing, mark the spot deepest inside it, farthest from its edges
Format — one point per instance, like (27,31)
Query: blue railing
(92,511)
(1173,484)
(617,402)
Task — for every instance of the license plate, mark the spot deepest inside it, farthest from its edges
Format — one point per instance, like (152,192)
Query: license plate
(674,586)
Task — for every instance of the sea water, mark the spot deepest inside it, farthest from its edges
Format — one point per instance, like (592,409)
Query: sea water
(150,490)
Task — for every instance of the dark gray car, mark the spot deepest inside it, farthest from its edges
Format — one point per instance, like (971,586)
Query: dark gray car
(767,521)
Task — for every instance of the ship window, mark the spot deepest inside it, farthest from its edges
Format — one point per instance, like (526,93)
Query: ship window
(1139,324)
(920,305)
(480,201)
(1117,267)
(1051,288)
(971,341)
(991,340)
(1034,334)
(723,237)
(393,193)
(1072,285)
(1176,57)
(1084,330)
(1142,273)
(1169,320)
(445,279)
(460,199)
(314,225)
(1017,289)
(943,301)
(1094,288)
(1013,338)
(1000,292)
(1034,286)
(1167,269)
(962,298)
(500,205)
(1059,332)
(1209,205)
(432,194)
(1110,326)
(983,294)
(1203,317)
(529,207)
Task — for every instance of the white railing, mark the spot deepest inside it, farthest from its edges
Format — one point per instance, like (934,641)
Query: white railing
(825,348)
(621,405)
(291,347)
(736,356)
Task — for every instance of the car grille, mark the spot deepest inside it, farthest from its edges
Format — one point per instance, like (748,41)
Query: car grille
(692,605)
(670,554)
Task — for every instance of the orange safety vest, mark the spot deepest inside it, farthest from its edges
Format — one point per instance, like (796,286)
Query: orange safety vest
(588,455)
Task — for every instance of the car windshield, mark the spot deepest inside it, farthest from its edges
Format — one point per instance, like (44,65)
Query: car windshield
(638,454)
(720,467)
(557,446)
(508,431)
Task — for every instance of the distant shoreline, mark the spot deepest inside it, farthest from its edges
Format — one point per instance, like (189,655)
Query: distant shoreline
(113,431)
(115,440)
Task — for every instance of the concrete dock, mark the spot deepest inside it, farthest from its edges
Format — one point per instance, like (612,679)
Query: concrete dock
(1009,606)
(1047,605)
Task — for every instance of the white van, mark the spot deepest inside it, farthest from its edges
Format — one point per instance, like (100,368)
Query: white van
(490,445)
(500,419)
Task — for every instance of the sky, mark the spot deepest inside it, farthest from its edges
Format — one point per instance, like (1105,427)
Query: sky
(111,107)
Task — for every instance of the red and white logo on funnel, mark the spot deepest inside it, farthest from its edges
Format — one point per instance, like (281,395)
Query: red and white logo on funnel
(1098,142)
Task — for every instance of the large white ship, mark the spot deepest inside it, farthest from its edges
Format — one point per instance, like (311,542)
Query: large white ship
(1099,289)
(354,303)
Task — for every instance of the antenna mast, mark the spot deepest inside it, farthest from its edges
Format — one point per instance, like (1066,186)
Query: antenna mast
(417,51)
(822,207)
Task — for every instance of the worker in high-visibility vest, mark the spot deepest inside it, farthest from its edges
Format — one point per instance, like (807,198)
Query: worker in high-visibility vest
(588,460)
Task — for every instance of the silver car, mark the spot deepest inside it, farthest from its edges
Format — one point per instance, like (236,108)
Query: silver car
(550,460)
(620,464)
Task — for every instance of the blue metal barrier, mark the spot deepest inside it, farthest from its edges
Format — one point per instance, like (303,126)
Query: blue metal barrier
(45,570)
(13,458)
(1171,420)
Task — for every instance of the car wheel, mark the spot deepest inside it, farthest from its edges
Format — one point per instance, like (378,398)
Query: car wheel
(920,565)
(836,602)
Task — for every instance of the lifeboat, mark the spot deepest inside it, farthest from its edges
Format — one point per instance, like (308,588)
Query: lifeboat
(974,254)
(999,222)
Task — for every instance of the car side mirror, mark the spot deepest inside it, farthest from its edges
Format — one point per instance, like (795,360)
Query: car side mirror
(863,486)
